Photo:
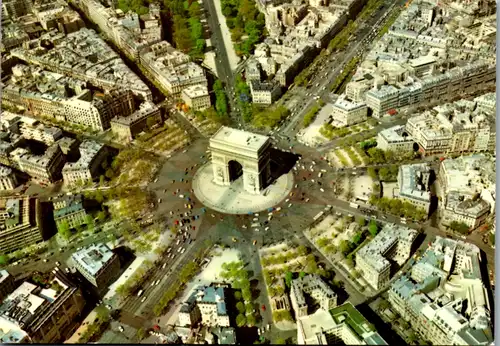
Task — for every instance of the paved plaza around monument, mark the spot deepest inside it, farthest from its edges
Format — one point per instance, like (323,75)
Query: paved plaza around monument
(233,199)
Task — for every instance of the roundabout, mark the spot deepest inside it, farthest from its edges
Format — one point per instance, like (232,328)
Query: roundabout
(234,199)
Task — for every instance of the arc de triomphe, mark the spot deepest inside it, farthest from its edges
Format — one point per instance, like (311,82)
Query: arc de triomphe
(236,153)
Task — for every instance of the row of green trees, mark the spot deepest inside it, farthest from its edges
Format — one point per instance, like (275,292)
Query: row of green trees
(398,207)
(187,30)
(136,280)
(244,98)
(246,24)
(386,173)
(346,72)
(186,275)
(221,105)
(138,6)
(311,115)
(239,277)
(270,117)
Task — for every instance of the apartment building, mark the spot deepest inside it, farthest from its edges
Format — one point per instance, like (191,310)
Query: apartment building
(16,8)
(313,286)
(453,128)
(456,81)
(196,97)
(341,325)
(44,168)
(382,99)
(444,297)
(462,208)
(30,128)
(8,179)
(392,243)
(414,185)
(264,92)
(205,305)
(69,211)
(81,106)
(172,69)
(35,314)
(102,67)
(127,128)
(395,139)
(20,223)
(7,284)
(92,154)
(348,112)
(98,264)
(253,71)
(468,186)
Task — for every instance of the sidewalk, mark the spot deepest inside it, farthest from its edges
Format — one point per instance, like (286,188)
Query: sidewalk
(83,327)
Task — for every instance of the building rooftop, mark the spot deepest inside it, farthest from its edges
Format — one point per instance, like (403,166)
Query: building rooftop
(145,111)
(67,205)
(347,105)
(227,136)
(3,275)
(93,258)
(195,91)
(88,151)
(396,134)
(5,171)
(413,181)
(374,251)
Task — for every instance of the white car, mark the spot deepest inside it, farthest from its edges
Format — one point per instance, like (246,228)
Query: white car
(121,329)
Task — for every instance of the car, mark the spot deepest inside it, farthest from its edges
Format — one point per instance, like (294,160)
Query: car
(143,300)
(58,263)
(44,260)
(263,307)
(121,329)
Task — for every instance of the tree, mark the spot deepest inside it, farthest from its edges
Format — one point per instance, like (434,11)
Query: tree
(361,221)
(241,307)
(492,239)
(280,341)
(323,242)
(237,295)
(302,275)
(4,260)
(141,334)
(247,294)
(373,228)
(302,250)
(241,320)
(345,247)
(101,216)
(249,308)
(288,279)
(64,230)
(459,227)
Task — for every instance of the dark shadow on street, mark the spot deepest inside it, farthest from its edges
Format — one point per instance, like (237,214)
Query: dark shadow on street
(384,329)
(282,162)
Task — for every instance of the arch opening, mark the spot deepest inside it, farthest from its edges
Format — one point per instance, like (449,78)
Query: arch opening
(235,170)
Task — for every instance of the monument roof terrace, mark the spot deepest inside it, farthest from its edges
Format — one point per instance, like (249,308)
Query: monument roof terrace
(238,138)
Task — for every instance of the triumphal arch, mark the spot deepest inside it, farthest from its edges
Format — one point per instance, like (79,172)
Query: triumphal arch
(237,153)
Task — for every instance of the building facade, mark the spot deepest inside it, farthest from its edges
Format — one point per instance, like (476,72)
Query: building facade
(45,315)
(196,97)
(20,224)
(394,243)
(98,264)
(205,305)
(348,112)
(69,212)
(314,287)
(129,127)
(86,169)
